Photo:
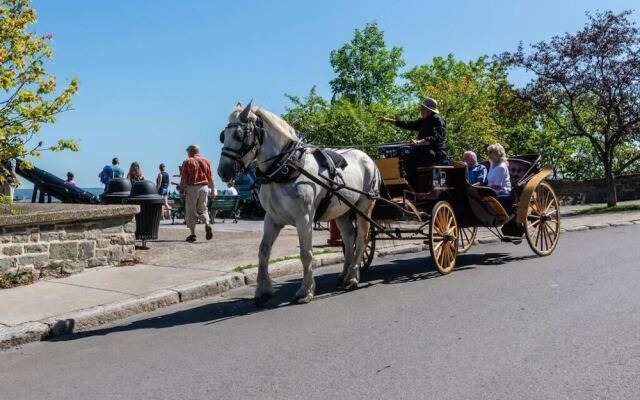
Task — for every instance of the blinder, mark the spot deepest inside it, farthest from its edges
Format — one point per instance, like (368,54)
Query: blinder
(251,135)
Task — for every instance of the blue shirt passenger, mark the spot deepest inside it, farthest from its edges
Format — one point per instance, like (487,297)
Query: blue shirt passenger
(476,173)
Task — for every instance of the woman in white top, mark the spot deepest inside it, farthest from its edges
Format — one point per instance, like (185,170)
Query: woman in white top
(498,175)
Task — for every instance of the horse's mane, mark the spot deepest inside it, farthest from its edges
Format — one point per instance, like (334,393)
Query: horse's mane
(272,120)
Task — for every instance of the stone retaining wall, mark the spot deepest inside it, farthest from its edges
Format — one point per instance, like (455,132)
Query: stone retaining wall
(59,245)
(594,191)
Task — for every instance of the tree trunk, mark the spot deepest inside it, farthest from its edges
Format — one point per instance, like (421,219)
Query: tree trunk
(612,197)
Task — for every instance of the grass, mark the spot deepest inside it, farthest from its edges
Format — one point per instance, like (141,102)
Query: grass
(285,258)
(605,209)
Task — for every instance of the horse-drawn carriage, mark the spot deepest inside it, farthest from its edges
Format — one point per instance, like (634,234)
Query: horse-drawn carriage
(303,184)
(446,210)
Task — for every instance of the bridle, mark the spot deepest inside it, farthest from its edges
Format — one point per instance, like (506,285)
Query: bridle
(252,134)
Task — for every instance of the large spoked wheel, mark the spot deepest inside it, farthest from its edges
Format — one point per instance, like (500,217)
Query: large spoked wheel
(443,237)
(466,238)
(543,220)
(369,251)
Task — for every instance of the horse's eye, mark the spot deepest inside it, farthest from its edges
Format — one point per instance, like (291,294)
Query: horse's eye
(222,137)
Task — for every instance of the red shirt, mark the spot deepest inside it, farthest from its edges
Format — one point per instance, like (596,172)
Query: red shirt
(196,170)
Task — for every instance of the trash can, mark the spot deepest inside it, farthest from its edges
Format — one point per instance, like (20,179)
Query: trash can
(145,194)
(117,192)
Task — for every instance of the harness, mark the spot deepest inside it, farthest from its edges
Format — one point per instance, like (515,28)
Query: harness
(251,141)
(280,170)
(286,166)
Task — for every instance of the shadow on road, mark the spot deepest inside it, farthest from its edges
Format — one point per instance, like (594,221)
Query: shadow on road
(382,272)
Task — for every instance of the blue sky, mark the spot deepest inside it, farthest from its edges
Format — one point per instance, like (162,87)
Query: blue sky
(156,76)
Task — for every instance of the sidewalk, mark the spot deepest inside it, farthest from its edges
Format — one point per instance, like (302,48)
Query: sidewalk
(173,271)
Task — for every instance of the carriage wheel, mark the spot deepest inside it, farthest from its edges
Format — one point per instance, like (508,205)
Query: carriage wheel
(369,251)
(543,220)
(443,237)
(466,238)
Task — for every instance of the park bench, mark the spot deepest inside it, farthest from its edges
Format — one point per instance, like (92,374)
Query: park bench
(224,204)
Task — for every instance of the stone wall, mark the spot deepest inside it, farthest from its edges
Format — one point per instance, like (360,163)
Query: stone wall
(594,191)
(57,246)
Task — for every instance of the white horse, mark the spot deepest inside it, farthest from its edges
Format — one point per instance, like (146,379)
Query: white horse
(255,134)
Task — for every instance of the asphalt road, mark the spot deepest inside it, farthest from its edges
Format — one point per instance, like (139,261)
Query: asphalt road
(504,325)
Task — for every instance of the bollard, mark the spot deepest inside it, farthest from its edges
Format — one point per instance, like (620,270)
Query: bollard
(334,234)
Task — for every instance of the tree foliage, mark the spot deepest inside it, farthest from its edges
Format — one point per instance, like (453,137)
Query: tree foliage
(29,91)
(366,69)
(588,85)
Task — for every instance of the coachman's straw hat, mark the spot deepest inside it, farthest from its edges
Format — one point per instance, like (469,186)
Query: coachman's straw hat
(430,104)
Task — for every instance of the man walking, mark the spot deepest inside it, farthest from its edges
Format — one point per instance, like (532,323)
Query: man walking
(196,184)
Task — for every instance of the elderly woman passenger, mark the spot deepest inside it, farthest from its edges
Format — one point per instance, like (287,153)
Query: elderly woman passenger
(476,172)
(498,176)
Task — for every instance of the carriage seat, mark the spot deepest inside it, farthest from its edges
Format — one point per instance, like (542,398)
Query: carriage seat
(390,170)
(519,167)
(486,205)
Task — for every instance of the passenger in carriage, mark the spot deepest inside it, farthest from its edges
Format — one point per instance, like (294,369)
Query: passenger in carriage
(476,172)
(498,176)
(430,145)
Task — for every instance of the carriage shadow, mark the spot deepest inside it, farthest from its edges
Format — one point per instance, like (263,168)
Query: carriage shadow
(385,272)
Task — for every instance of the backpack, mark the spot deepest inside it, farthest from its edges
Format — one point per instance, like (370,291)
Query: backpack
(105,175)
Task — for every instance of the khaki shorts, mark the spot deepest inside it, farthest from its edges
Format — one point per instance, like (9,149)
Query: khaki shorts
(196,205)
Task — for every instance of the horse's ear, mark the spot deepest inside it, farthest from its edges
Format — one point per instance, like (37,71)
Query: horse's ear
(238,105)
(244,115)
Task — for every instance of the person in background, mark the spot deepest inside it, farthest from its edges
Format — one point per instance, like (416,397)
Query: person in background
(230,190)
(70,180)
(476,172)
(162,184)
(135,173)
(196,184)
(9,184)
(109,172)
(498,176)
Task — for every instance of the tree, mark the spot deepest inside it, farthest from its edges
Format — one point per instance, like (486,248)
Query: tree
(340,123)
(476,103)
(29,91)
(366,69)
(588,85)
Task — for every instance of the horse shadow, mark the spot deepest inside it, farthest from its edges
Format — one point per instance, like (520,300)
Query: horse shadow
(384,272)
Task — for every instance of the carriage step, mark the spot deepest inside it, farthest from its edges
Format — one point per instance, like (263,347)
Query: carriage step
(514,240)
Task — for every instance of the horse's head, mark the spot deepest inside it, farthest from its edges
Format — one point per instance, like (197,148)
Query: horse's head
(241,141)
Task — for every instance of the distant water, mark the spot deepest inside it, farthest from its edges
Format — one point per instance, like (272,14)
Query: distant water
(25,194)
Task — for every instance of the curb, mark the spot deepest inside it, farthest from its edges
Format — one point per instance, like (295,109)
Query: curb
(89,318)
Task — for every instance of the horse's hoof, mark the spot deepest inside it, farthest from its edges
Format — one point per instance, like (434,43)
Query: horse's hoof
(352,284)
(302,300)
(261,300)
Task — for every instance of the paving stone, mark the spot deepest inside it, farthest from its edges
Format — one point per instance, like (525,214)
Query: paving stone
(598,226)
(73,267)
(7,263)
(11,336)
(577,228)
(64,250)
(39,260)
(12,250)
(97,262)
(36,248)
(210,287)
(86,250)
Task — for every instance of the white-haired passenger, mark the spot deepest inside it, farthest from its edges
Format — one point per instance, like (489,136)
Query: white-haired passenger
(498,176)
(476,172)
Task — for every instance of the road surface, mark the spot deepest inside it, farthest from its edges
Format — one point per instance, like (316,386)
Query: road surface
(504,325)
